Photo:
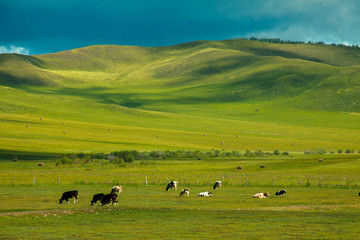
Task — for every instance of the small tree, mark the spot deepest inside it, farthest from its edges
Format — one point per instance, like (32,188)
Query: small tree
(276,152)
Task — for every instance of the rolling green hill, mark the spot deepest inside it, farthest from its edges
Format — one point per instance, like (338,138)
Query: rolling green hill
(247,94)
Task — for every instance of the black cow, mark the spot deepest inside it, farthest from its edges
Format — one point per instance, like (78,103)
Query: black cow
(97,197)
(69,194)
(107,198)
(281,192)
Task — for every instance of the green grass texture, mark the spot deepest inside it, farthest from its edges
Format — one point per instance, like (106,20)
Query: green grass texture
(246,94)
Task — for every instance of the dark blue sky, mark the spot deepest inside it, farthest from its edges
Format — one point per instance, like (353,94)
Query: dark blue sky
(45,26)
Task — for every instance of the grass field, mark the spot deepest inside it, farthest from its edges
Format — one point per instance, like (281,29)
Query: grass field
(326,208)
(233,95)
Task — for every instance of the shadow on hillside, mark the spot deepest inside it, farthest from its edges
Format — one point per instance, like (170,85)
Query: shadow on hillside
(280,53)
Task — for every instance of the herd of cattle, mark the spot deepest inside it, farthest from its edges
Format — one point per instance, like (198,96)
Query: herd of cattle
(106,199)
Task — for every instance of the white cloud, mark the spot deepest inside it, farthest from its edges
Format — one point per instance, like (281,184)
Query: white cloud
(14,49)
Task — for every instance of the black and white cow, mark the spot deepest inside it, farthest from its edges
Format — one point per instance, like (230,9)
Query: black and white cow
(172,184)
(205,194)
(69,194)
(184,191)
(281,192)
(217,185)
(97,197)
(116,190)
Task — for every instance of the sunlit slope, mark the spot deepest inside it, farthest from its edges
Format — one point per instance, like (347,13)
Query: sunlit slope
(49,123)
(286,96)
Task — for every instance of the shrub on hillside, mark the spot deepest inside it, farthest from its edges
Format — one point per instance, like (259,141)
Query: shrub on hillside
(339,151)
(276,152)
(258,153)
(248,153)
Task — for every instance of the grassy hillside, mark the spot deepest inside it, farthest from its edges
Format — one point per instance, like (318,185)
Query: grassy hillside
(102,98)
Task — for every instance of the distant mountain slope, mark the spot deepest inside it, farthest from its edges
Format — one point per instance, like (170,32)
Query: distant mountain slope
(305,76)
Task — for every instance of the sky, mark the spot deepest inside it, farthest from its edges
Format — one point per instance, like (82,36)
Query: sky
(47,26)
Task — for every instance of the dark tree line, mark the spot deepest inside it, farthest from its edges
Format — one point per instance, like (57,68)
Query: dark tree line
(278,40)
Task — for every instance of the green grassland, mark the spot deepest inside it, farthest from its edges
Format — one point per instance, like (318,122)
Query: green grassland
(326,208)
(292,97)
(224,95)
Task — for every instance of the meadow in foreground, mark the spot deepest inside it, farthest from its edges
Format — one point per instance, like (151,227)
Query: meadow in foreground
(328,209)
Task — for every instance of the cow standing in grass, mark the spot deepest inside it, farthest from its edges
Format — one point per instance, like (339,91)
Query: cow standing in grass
(217,185)
(281,192)
(115,191)
(107,198)
(70,194)
(184,191)
(172,184)
(97,197)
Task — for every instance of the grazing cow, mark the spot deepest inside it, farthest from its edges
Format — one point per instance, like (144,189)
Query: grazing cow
(69,194)
(205,194)
(281,192)
(97,197)
(172,184)
(262,195)
(107,198)
(184,191)
(112,196)
(217,185)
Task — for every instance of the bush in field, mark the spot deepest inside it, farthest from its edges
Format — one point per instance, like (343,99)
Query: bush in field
(339,151)
(248,153)
(276,152)
(285,153)
(64,160)
(321,151)
(258,153)
(129,159)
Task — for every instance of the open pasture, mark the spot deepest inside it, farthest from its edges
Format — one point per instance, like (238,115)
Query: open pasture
(329,210)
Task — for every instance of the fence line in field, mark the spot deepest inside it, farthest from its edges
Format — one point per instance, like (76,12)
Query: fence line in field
(209,180)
